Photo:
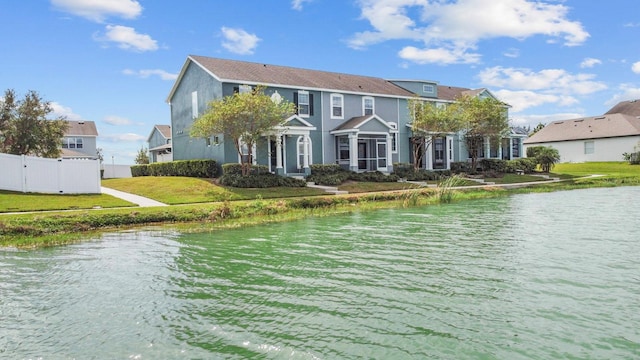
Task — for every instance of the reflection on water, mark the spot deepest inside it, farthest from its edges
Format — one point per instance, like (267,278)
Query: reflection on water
(534,276)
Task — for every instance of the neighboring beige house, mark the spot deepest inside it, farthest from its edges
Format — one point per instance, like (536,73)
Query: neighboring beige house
(160,144)
(79,141)
(596,138)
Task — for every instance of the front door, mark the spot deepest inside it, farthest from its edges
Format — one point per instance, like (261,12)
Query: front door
(362,155)
(439,152)
(382,155)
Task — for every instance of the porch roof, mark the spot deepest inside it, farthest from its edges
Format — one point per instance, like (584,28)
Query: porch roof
(354,124)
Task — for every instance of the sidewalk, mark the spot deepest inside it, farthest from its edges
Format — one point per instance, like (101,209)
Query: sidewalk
(136,199)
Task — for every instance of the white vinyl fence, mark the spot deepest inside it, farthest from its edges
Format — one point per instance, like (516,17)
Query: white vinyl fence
(52,176)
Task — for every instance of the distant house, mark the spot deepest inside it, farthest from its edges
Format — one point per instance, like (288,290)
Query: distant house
(596,138)
(79,141)
(160,144)
(361,123)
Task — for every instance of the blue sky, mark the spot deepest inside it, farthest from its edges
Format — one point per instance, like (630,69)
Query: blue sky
(115,61)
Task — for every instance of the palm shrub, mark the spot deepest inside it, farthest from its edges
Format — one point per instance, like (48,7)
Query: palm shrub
(547,158)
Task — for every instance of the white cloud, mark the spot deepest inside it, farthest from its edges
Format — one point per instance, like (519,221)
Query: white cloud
(98,10)
(297,4)
(145,73)
(512,53)
(438,56)
(590,62)
(627,92)
(521,100)
(556,80)
(239,41)
(127,137)
(117,120)
(127,38)
(636,67)
(60,110)
(460,25)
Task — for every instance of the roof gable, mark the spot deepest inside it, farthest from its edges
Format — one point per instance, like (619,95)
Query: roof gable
(631,107)
(365,123)
(81,128)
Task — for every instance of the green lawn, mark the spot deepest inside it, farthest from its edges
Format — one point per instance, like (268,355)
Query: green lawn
(601,168)
(18,202)
(185,190)
(514,179)
(361,187)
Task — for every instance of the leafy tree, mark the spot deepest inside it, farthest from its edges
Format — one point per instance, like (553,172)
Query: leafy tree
(242,118)
(142,157)
(538,127)
(429,120)
(547,158)
(483,118)
(25,129)
(100,155)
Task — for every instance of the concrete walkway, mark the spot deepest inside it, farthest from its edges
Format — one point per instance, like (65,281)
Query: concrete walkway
(136,199)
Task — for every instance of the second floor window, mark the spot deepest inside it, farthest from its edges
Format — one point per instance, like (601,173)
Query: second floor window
(72,143)
(304,103)
(337,102)
(368,106)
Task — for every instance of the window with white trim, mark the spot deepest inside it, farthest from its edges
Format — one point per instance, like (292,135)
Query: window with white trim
(303,103)
(368,105)
(427,88)
(589,147)
(194,104)
(394,138)
(244,89)
(337,104)
(72,143)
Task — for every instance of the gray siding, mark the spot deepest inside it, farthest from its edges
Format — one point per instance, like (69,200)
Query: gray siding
(208,88)
(418,87)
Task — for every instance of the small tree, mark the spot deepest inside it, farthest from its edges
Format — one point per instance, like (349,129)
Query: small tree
(538,127)
(483,118)
(142,157)
(547,158)
(25,129)
(243,118)
(431,120)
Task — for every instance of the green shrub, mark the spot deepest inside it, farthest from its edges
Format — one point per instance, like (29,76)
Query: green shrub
(326,169)
(403,170)
(493,165)
(406,171)
(236,169)
(533,151)
(191,168)
(458,167)
(525,164)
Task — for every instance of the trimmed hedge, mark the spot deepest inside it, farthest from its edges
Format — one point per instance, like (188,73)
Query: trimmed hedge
(333,175)
(260,180)
(406,171)
(497,166)
(190,168)
(236,169)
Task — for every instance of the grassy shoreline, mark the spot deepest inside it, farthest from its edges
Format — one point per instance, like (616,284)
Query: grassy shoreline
(58,228)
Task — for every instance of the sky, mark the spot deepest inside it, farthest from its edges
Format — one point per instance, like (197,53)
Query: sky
(114,61)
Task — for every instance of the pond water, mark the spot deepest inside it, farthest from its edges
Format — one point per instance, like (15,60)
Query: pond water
(536,276)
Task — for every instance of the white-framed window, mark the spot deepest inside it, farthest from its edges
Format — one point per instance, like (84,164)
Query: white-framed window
(368,105)
(244,89)
(72,143)
(194,104)
(427,88)
(303,103)
(337,105)
(589,147)
(300,155)
(394,138)
(343,149)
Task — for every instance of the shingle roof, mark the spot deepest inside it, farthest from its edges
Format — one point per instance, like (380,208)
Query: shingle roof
(165,130)
(631,107)
(606,126)
(256,73)
(81,128)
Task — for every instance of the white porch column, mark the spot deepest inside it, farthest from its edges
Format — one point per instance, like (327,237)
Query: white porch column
(269,152)
(279,169)
(500,149)
(429,153)
(487,147)
(305,161)
(389,153)
(353,151)
(449,149)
